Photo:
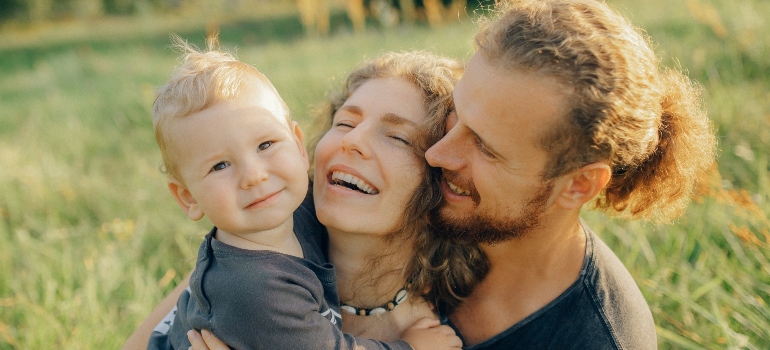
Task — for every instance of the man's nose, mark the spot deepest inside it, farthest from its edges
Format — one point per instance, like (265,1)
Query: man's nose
(447,152)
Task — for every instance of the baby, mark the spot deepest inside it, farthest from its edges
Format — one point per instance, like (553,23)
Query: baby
(232,153)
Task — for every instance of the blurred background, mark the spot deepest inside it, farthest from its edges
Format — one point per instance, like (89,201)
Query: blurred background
(91,240)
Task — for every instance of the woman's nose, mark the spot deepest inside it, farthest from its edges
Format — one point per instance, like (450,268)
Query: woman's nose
(357,141)
(253,172)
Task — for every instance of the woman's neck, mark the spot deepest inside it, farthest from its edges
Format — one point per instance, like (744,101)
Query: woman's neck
(362,282)
(367,285)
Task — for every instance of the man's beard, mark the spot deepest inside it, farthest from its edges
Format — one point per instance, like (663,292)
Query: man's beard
(481,228)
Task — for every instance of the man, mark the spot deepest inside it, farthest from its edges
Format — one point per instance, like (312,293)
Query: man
(563,104)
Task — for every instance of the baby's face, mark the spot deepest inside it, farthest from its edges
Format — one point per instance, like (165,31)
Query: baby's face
(244,166)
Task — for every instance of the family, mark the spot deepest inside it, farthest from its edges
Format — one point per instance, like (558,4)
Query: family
(444,201)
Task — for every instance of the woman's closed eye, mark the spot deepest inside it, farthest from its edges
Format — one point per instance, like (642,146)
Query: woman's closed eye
(343,125)
(345,119)
(401,139)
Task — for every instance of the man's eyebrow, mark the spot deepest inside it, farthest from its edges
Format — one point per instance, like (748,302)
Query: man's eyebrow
(395,119)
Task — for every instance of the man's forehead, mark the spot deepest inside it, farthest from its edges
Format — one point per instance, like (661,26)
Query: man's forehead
(508,108)
(488,86)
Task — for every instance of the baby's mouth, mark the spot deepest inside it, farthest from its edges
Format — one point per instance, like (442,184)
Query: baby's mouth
(351,182)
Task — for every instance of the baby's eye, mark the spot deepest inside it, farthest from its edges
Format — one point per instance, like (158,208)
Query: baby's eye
(265,145)
(220,166)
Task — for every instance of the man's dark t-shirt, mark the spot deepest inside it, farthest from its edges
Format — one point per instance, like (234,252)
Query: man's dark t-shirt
(603,309)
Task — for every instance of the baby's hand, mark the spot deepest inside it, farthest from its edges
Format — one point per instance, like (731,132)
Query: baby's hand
(428,333)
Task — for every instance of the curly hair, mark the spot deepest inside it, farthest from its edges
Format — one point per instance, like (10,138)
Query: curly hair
(646,122)
(442,271)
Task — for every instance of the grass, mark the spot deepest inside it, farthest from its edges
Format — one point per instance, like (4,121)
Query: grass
(93,241)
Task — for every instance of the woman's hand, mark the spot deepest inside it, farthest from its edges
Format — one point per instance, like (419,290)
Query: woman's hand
(429,333)
(205,341)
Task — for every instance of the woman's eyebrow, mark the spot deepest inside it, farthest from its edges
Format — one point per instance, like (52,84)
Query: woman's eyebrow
(352,109)
(396,119)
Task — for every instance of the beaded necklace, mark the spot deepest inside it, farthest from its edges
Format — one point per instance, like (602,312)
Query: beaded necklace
(389,306)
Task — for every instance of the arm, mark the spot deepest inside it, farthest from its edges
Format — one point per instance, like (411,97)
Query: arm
(426,333)
(278,305)
(140,337)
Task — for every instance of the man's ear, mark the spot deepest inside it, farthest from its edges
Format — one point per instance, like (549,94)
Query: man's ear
(582,185)
(299,138)
(185,199)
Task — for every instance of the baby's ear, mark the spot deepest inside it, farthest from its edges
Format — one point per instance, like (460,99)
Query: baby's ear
(300,140)
(185,199)
(583,185)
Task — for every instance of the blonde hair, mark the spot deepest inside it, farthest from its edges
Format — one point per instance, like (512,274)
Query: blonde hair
(646,122)
(442,271)
(204,78)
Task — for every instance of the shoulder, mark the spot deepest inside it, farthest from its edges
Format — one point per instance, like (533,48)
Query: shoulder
(603,309)
(617,298)
(305,218)
(257,271)
(240,287)
(311,233)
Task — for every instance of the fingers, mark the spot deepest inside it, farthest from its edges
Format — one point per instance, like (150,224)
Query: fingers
(453,340)
(445,330)
(212,341)
(425,323)
(205,341)
(456,342)
(196,340)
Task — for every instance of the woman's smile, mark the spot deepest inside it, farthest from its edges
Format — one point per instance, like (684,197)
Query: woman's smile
(350,179)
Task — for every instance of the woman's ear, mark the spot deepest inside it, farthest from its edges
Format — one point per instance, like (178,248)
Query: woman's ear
(185,199)
(299,138)
(583,185)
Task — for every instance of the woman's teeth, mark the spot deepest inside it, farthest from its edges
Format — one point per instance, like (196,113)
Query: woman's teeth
(352,182)
(459,190)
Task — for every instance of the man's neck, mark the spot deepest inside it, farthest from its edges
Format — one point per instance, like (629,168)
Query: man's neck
(540,254)
(525,275)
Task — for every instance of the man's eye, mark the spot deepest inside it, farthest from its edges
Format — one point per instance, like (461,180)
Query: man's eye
(220,166)
(483,149)
(265,145)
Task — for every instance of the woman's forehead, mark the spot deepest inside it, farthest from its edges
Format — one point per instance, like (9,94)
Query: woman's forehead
(395,99)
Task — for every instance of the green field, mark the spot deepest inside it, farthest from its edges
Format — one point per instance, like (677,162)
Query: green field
(92,240)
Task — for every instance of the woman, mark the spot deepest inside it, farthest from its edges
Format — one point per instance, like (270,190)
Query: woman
(373,191)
